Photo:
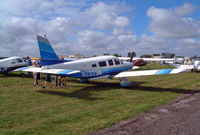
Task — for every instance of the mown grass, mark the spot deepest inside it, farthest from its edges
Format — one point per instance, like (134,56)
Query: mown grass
(81,108)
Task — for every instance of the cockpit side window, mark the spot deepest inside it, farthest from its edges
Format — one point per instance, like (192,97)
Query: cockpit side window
(94,65)
(19,60)
(24,59)
(12,61)
(110,62)
(102,64)
(117,62)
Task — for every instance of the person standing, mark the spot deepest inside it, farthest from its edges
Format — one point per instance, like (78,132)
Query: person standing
(56,80)
(47,81)
(35,75)
(29,64)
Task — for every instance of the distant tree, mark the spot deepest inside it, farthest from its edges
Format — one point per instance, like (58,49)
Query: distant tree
(179,56)
(145,56)
(131,53)
(117,55)
(106,54)
(168,55)
(3,57)
(163,54)
(172,55)
(156,54)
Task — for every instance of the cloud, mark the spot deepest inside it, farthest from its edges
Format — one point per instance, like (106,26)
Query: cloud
(20,33)
(93,28)
(46,9)
(170,23)
(99,42)
(153,44)
(185,10)
(105,16)
(67,25)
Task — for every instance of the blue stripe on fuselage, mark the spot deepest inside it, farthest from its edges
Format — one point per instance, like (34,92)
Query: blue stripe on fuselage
(100,72)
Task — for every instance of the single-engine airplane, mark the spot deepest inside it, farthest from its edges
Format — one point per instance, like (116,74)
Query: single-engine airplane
(89,68)
(12,63)
(193,67)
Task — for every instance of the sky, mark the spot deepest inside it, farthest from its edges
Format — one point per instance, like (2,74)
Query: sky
(95,27)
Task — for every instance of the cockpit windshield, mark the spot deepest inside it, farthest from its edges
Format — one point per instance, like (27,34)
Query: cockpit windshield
(117,62)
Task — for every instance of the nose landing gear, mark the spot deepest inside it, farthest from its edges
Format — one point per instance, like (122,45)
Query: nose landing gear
(125,83)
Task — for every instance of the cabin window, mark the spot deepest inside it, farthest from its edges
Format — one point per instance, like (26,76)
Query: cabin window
(19,61)
(94,65)
(117,62)
(12,62)
(110,62)
(102,64)
(24,59)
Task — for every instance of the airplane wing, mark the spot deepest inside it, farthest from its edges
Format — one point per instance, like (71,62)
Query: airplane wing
(149,72)
(66,72)
(182,66)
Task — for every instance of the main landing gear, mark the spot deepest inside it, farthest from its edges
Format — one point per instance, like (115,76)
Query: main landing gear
(125,83)
(84,80)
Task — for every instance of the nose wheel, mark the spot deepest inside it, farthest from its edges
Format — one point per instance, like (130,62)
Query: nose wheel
(4,70)
(125,83)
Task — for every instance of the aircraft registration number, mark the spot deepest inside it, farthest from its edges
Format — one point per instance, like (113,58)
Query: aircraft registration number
(91,73)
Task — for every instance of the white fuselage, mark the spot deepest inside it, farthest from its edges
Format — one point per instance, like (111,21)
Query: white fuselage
(11,63)
(91,63)
(94,67)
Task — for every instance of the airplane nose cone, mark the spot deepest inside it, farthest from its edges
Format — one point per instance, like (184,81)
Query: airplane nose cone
(129,65)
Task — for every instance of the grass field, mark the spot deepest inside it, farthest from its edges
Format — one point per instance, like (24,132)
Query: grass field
(81,108)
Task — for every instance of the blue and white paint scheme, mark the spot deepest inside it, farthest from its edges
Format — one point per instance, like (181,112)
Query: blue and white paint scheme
(89,68)
(12,63)
(47,53)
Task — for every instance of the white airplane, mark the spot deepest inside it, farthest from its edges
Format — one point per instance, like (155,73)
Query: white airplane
(193,67)
(12,63)
(147,59)
(89,68)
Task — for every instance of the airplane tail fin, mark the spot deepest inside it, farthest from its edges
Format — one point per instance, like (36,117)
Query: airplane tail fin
(47,53)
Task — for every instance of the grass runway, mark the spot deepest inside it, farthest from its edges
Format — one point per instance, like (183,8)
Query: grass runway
(82,108)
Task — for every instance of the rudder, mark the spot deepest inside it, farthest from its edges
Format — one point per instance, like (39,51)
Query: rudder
(47,53)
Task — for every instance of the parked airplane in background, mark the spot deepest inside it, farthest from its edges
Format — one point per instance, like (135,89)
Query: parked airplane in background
(12,63)
(148,59)
(139,62)
(193,67)
(89,68)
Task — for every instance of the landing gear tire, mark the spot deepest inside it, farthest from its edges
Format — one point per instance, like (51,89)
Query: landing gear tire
(4,70)
(84,80)
(125,83)
(22,75)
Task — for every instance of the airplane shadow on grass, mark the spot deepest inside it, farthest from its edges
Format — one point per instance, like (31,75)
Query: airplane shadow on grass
(86,93)
(4,75)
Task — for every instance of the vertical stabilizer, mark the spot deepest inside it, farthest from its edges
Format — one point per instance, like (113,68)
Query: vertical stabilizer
(48,55)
